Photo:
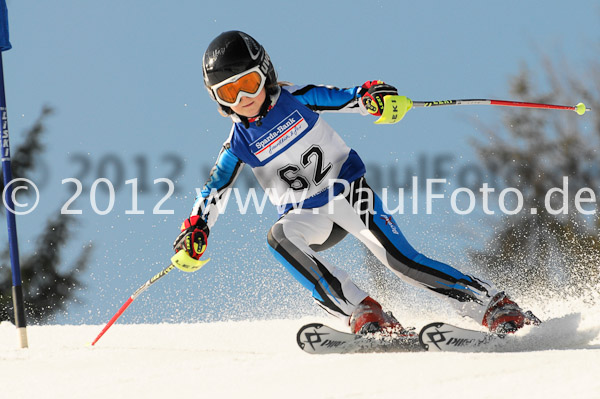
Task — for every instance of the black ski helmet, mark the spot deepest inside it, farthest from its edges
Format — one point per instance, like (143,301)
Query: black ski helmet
(232,53)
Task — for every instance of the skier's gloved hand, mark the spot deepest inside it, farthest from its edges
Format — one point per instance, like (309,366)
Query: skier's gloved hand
(373,93)
(193,237)
(382,100)
(190,244)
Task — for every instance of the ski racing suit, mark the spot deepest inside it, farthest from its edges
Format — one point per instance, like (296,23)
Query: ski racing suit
(317,182)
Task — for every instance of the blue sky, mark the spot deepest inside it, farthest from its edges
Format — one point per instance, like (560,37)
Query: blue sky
(124,78)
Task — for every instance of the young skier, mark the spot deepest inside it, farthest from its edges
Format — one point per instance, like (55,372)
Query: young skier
(318,184)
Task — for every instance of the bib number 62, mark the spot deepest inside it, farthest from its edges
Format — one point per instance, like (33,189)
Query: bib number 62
(292,174)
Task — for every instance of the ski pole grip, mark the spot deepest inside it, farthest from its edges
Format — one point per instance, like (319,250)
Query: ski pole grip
(394,109)
(186,263)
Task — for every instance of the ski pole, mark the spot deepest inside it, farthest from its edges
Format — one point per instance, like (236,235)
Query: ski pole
(132,298)
(579,108)
(181,259)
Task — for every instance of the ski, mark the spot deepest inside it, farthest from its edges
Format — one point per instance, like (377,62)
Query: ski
(442,337)
(316,338)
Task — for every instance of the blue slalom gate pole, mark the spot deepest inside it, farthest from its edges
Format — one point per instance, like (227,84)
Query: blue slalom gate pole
(17,289)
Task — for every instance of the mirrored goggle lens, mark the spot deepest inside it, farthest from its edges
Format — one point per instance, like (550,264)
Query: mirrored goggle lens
(249,83)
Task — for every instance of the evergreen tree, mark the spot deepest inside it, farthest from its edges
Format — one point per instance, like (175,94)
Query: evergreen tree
(535,152)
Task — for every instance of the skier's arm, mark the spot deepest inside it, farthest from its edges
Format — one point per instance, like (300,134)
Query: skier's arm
(370,98)
(322,98)
(196,228)
(222,176)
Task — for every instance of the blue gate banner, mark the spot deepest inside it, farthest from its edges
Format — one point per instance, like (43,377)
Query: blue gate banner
(4,42)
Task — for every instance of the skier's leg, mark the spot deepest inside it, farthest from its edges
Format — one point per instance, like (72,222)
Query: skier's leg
(294,240)
(361,214)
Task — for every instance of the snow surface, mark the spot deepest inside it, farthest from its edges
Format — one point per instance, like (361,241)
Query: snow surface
(260,359)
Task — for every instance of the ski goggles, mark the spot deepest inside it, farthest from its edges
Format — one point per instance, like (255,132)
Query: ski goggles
(248,84)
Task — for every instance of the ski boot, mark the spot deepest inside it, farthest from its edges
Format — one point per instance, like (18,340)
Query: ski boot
(369,318)
(505,316)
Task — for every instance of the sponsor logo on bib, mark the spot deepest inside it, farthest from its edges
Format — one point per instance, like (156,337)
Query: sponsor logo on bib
(279,136)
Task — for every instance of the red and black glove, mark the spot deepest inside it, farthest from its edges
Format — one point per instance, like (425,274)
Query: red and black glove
(193,237)
(372,93)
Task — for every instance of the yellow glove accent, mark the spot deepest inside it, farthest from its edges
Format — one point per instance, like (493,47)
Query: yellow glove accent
(183,261)
(394,109)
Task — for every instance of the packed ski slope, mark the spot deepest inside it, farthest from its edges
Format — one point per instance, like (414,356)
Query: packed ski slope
(260,359)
